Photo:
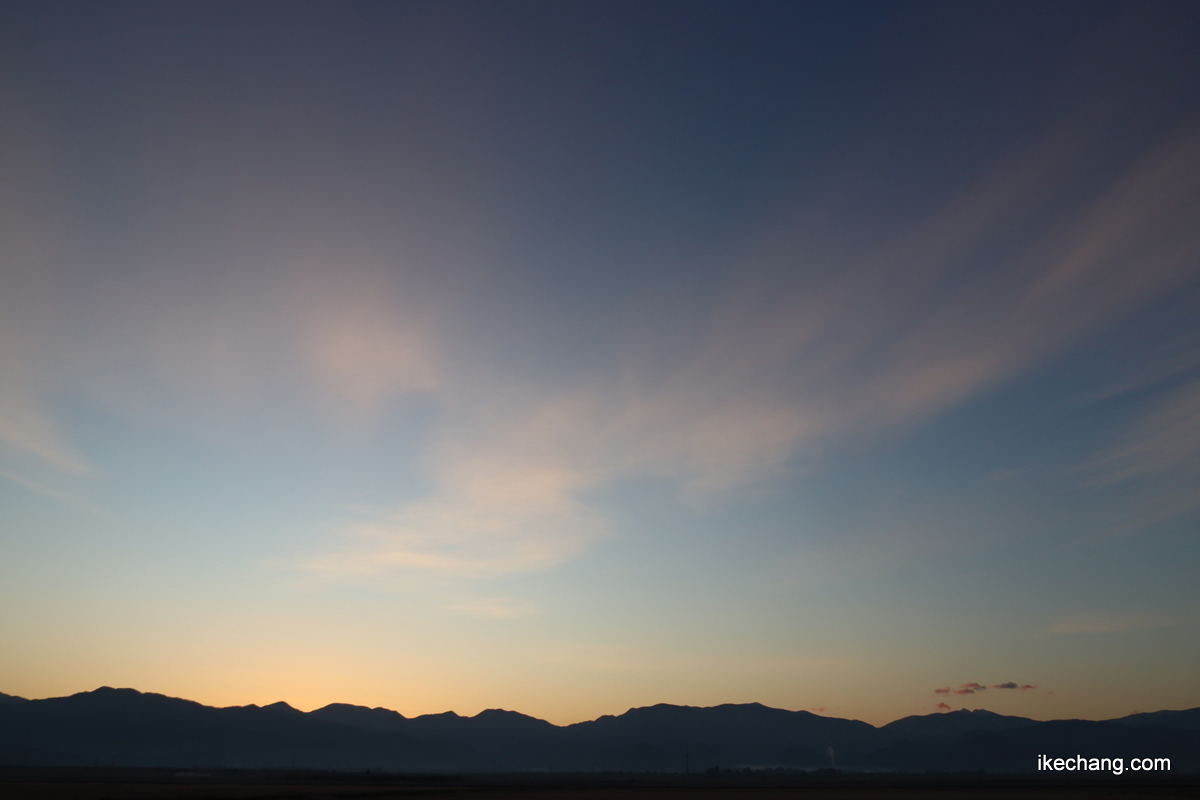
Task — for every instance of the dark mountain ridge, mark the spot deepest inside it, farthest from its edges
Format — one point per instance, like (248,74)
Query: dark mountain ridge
(952,724)
(124,727)
(1189,719)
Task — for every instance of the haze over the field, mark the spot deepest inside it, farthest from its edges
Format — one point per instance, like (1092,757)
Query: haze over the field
(568,357)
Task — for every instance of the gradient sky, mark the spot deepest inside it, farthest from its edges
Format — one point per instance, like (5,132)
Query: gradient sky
(570,357)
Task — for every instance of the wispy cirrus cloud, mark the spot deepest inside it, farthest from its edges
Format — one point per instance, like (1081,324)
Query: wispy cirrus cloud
(30,247)
(1153,458)
(285,337)
(901,333)
(814,339)
(493,608)
(179,333)
(831,349)
(1163,441)
(517,518)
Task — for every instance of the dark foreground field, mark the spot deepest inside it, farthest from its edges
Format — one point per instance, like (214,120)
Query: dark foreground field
(100,784)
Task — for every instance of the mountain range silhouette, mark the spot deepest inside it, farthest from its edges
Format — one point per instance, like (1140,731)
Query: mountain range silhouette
(128,728)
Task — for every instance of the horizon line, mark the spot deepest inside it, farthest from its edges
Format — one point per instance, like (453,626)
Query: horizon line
(579,722)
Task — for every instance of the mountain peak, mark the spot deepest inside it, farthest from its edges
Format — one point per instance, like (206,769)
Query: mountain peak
(281,706)
(497,712)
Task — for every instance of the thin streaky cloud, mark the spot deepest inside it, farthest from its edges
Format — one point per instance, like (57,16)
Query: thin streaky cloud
(1154,457)
(494,608)
(56,495)
(1102,623)
(282,340)
(836,353)
(497,518)
(1164,440)
(30,247)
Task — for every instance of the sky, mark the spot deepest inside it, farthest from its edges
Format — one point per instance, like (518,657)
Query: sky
(568,357)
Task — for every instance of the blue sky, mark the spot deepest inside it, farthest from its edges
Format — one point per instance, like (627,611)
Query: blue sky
(569,357)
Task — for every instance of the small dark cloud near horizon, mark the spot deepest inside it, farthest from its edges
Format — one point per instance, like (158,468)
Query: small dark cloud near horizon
(970,688)
(942,707)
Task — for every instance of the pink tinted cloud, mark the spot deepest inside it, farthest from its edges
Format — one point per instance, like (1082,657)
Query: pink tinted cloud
(942,707)
(943,690)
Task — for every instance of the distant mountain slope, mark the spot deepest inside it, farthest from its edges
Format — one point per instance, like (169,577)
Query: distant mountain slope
(1189,720)
(126,727)
(11,698)
(1017,750)
(123,727)
(367,719)
(666,737)
(951,725)
(493,723)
